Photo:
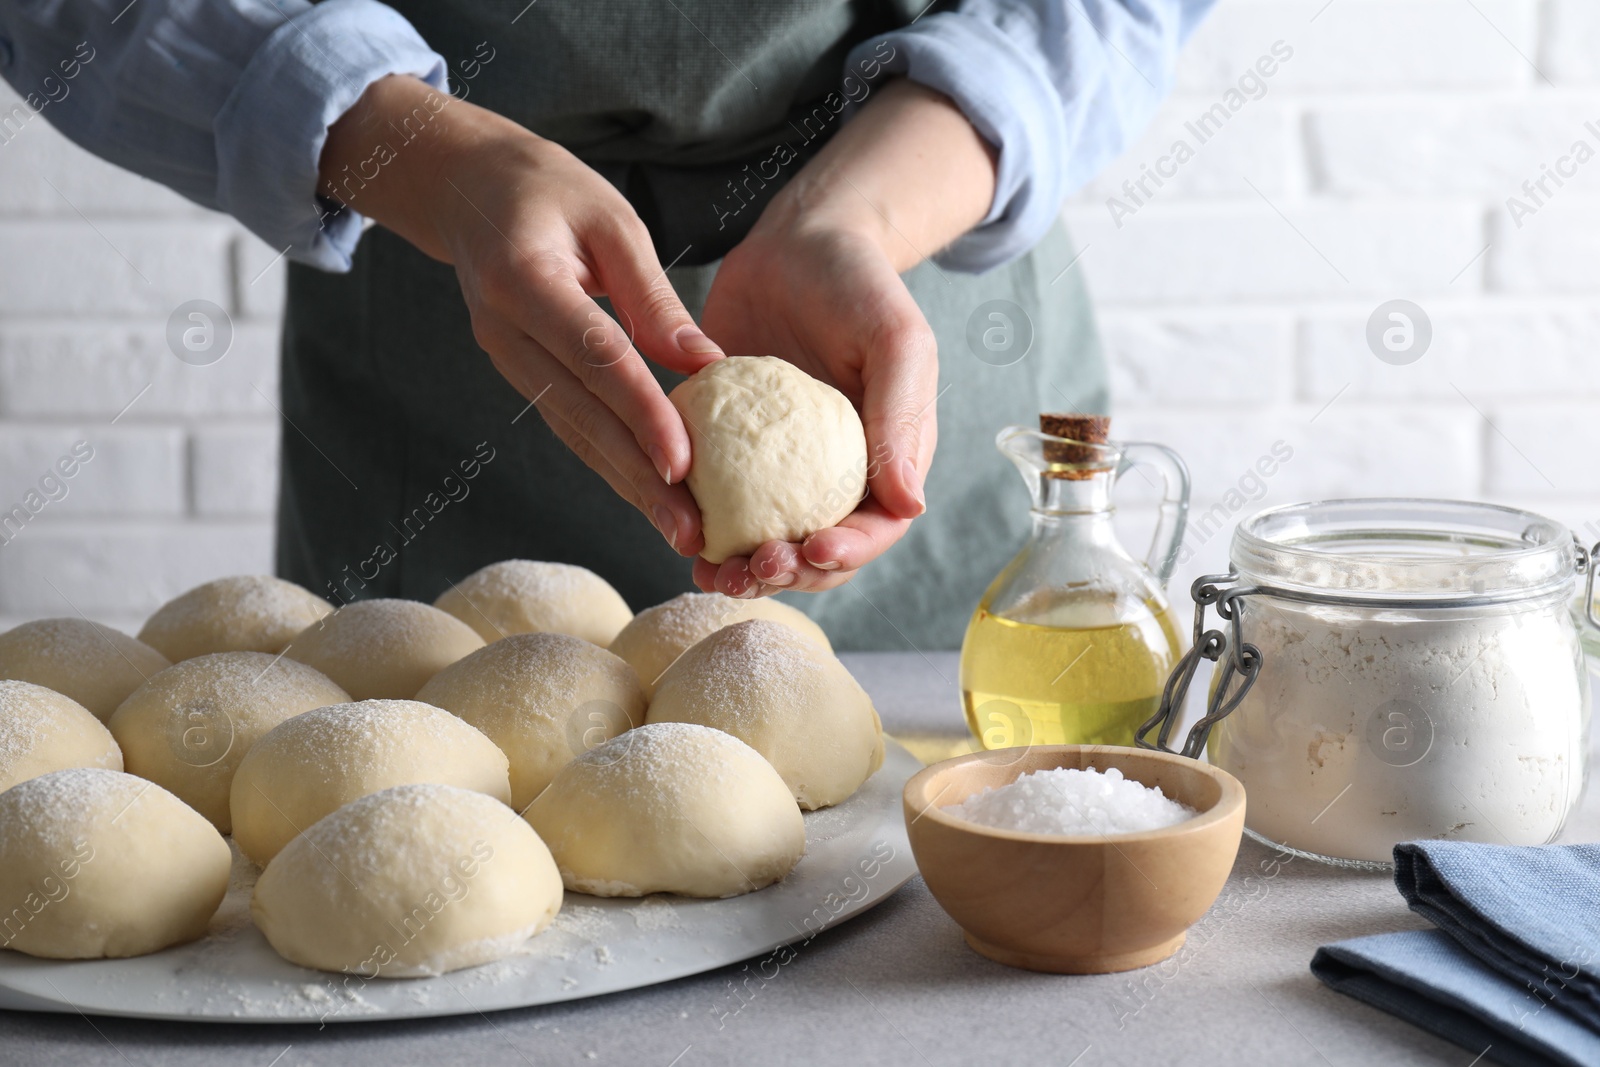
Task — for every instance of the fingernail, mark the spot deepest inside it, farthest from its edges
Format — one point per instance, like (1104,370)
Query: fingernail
(659,458)
(829,565)
(771,573)
(666,523)
(913,480)
(690,339)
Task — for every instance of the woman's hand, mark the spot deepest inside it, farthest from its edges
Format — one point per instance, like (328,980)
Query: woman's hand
(817,282)
(535,235)
(823,295)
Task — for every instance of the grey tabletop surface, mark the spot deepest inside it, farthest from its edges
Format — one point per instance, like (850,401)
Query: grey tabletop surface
(895,986)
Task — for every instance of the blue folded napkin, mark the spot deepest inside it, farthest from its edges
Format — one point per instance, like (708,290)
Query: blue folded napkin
(1513,969)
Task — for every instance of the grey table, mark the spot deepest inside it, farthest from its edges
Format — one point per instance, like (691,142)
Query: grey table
(895,986)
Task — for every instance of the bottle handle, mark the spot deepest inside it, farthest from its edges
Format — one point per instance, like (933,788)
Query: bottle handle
(1162,558)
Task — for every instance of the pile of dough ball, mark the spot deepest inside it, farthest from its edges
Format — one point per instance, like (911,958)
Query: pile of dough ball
(105,864)
(94,665)
(474,884)
(375,758)
(384,649)
(42,731)
(657,636)
(313,764)
(247,613)
(784,696)
(522,596)
(189,727)
(543,698)
(670,808)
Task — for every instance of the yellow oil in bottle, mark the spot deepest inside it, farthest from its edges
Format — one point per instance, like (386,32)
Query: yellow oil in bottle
(1081,669)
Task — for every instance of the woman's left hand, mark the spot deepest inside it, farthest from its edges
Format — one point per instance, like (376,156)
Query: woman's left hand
(817,282)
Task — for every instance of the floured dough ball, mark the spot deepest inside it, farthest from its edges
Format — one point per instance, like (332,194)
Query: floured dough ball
(658,636)
(522,596)
(777,455)
(42,731)
(314,764)
(93,664)
(543,698)
(97,863)
(249,613)
(189,727)
(413,881)
(384,649)
(670,808)
(785,697)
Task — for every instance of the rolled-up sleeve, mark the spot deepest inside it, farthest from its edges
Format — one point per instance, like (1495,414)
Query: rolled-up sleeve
(1057,87)
(228,102)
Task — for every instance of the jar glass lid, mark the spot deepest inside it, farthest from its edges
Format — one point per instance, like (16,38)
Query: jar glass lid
(1401,548)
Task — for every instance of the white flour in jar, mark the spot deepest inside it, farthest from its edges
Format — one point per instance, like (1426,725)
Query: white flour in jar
(1366,728)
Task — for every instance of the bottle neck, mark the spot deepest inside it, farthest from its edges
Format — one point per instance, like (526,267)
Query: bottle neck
(1075,511)
(1075,497)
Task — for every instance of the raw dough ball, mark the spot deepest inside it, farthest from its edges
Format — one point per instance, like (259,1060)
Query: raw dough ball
(777,455)
(42,731)
(670,808)
(657,636)
(316,763)
(249,613)
(93,664)
(189,727)
(543,698)
(99,863)
(384,649)
(786,698)
(416,880)
(521,596)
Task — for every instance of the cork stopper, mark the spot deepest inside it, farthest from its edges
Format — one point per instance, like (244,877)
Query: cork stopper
(1079,430)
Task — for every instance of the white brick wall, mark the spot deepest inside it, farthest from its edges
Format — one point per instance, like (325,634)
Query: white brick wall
(92,261)
(1376,164)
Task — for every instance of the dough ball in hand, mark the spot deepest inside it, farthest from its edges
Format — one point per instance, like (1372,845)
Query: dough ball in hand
(785,697)
(42,731)
(313,764)
(524,596)
(670,808)
(543,698)
(189,727)
(247,613)
(97,863)
(657,636)
(412,881)
(384,649)
(776,454)
(93,664)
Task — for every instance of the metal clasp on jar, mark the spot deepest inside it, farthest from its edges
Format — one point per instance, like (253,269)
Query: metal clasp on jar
(1238,673)
(1588,561)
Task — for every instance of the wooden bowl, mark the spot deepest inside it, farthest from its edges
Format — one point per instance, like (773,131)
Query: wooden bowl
(1075,904)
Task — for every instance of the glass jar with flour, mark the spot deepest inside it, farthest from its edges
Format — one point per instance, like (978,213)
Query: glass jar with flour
(1395,670)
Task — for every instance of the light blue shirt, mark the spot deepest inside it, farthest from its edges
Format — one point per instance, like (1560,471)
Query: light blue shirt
(228,102)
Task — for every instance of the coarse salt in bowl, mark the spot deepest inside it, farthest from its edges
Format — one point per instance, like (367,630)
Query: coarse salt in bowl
(1074,902)
(1064,800)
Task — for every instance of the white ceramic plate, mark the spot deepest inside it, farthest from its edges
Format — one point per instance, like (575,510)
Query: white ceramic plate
(856,855)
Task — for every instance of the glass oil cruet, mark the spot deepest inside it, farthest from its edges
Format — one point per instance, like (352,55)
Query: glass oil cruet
(1073,641)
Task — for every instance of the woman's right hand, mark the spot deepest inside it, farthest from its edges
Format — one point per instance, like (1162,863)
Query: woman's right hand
(535,235)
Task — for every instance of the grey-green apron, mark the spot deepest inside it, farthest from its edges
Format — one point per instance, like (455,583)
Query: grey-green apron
(408,462)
